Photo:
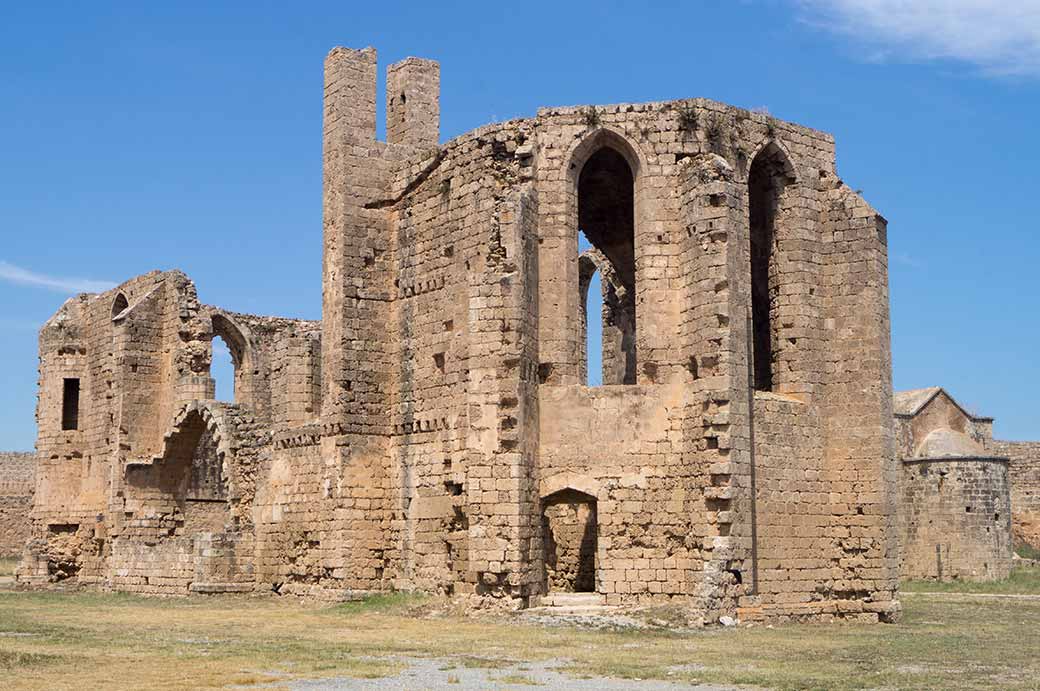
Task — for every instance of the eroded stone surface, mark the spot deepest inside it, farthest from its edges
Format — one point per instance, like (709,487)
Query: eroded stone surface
(17,478)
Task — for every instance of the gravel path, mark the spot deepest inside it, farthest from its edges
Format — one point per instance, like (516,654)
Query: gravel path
(422,673)
(1008,596)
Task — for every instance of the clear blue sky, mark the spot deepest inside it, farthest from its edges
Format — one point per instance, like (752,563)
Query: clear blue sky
(158,135)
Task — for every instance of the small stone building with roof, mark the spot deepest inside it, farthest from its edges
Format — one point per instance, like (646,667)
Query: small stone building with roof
(956,490)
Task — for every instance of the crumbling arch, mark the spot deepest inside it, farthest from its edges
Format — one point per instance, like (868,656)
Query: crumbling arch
(191,479)
(604,182)
(770,176)
(192,421)
(583,484)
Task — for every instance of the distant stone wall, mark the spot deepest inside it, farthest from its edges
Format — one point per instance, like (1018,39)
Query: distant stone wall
(1024,471)
(956,519)
(17,476)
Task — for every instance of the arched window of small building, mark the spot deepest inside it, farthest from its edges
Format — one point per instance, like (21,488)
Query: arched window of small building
(119,305)
(768,177)
(606,222)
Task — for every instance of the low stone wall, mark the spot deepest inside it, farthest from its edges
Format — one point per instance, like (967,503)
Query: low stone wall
(956,519)
(17,478)
(1024,472)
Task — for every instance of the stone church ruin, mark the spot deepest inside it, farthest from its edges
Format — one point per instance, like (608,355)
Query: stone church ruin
(436,430)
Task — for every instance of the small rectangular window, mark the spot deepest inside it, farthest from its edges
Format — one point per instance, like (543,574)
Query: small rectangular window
(70,405)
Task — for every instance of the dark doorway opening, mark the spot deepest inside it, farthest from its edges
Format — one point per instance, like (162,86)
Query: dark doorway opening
(570,531)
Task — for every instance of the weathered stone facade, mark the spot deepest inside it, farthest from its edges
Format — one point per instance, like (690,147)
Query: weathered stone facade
(956,490)
(435,429)
(17,472)
(1024,471)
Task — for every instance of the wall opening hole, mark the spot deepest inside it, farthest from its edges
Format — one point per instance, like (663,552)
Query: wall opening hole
(222,371)
(119,305)
(769,175)
(70,404)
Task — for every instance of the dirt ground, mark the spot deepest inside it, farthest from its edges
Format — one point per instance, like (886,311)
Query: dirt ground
(950,637)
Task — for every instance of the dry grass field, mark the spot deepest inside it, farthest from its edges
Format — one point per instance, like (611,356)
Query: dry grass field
(949,640)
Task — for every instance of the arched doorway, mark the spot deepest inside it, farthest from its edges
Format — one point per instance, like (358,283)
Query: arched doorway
(570,530)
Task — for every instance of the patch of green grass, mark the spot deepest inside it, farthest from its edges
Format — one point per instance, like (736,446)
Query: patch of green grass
(7,566)
(384,603)
(476,662)
(12,660)
(518,679)
(1022,581)
(1027,551)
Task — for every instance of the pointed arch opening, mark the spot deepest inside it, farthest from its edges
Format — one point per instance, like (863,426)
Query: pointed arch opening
(222,371)
(606,222)
(231,360)
(769,176)
(119,305)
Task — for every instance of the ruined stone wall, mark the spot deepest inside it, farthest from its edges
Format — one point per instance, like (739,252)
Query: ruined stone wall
(860,467)
(332,504)
(957,519)
(17,483)
(142,353)
(461,241)
(1024,477)
(792,509)
(90,340)
(424,438)
(295,361)
(621,445)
